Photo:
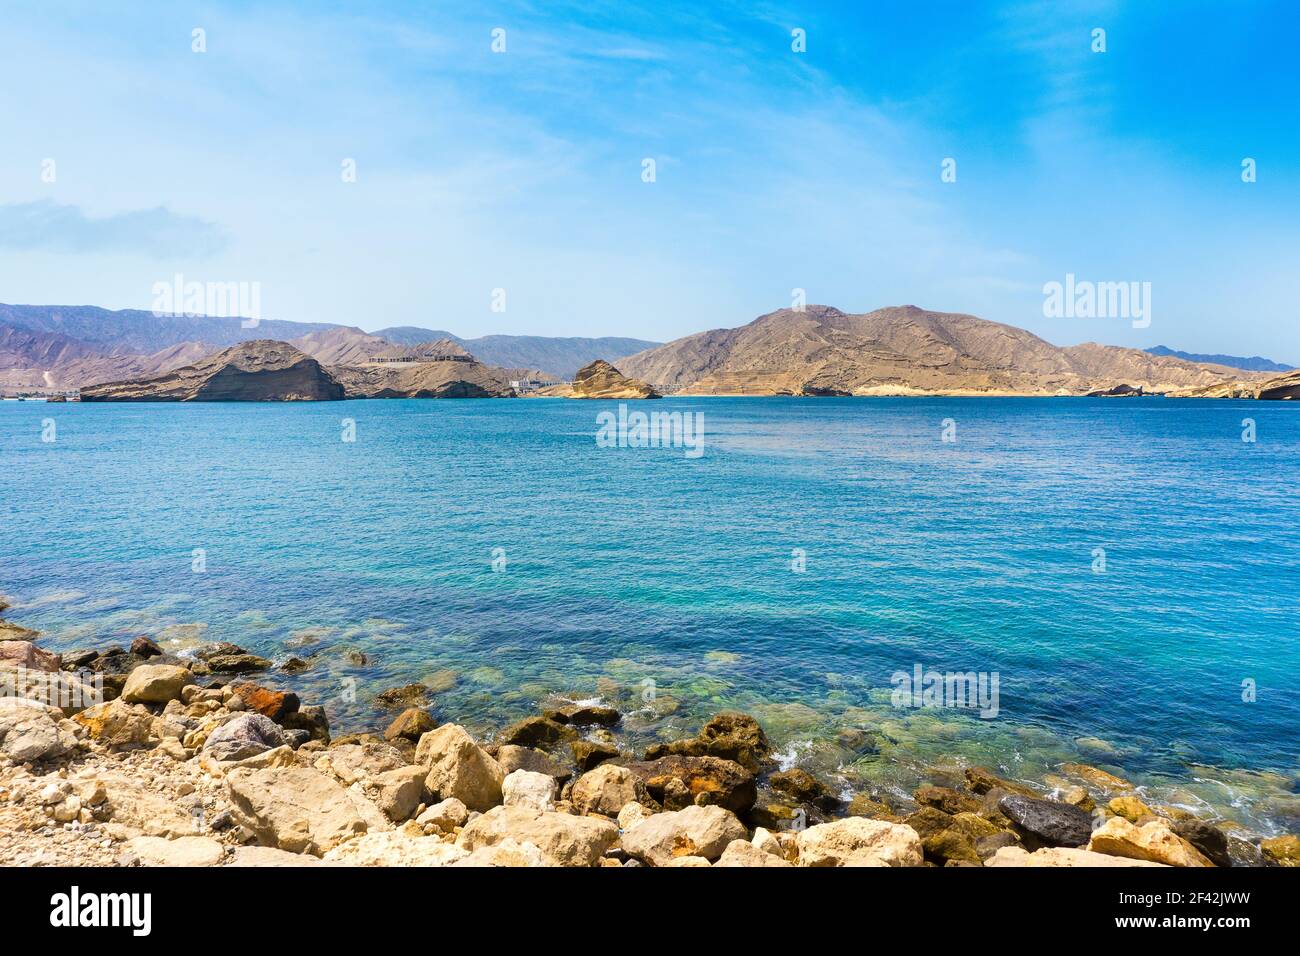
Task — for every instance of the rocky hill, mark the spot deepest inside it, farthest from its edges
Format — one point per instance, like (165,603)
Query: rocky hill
(600,380)
(900,351)
(1253,363)
(260,371)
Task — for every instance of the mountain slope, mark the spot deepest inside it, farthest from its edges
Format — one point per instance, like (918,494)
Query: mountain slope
(898,350)
(559,356)
(1254,363)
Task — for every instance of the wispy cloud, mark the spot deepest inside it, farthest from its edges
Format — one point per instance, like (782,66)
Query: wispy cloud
(158,233)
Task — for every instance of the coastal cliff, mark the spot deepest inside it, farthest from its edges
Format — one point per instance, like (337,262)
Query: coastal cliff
(262,370)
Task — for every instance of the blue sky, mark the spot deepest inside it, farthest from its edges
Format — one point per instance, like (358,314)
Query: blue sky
(775,170)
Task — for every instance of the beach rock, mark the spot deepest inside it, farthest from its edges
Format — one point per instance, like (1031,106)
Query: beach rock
(1153,841)
(394,848)
(411,724)
(710,779)
(459,768)
(728,735)
(311,719)
(116,723)
(799,784)
(269,703)
(744,853)
(536,732)
(400,791)
(946,799)
(631,814)
(31,731)
(694,831)
(293,808)
(446,815)
(361,762)
(588,754)
(183,851)
(981,781)
(584,715)
(512,757)
(507,853)
(408,696)
(1282,850)
(1206,837)
(681,861)
(988,846)
(857,841)
(27,655)
(1130,808)
(269,857)
(143,647)
(1042,823)
(244,736)
(564,839)
(608,789)
(944,838)
(524,788)
(237,663)
(1059,856)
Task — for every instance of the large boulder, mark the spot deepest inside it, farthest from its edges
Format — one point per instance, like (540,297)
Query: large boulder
(115,723)
(275,704)
(981,781)
(1058,856)
(744,853)
(27,655)
(460,768)
(31,731)
(508,853)
(608,789)
(155,684)
(183,851)
(1041,823)
(695,831)
(524,788)
(512,757)
(858,841)
(1154,841)
(536,732)
(1206,837)
(293,808)
(243,736)
(729,735)
(709,780)
(399,792)
(394,848)
(564,839)
(361,762)
(411,724)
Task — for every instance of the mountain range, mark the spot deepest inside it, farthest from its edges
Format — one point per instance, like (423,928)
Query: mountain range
(1252,364)
(816,351)
(68,346)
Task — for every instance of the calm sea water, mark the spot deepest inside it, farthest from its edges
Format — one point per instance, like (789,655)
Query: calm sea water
(643,573)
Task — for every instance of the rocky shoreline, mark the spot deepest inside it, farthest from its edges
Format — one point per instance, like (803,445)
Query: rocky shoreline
(193,762)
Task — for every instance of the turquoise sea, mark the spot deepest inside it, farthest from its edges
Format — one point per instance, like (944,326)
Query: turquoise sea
(667,583)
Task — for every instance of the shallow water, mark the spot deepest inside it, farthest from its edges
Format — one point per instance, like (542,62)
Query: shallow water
(665,582)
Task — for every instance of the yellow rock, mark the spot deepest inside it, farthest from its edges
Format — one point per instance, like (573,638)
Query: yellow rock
(1154,841)
(1283,850)
(1130,808)
(1096,777)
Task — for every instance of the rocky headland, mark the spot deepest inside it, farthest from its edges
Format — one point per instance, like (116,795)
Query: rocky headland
(599,380)
(133,756)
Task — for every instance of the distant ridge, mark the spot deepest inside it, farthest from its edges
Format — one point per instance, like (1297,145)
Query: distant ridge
(1252,364)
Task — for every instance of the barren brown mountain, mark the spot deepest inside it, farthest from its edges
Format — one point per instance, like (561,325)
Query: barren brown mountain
(899,351)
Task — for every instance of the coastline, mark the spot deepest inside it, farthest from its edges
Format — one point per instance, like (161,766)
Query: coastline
(212,759)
